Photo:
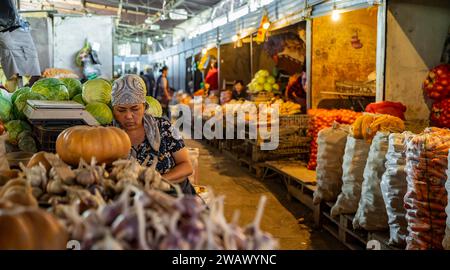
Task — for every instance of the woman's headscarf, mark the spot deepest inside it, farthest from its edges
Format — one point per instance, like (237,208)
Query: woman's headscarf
(131,89)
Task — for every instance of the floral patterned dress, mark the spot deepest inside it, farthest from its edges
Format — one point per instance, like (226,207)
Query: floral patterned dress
(170,143)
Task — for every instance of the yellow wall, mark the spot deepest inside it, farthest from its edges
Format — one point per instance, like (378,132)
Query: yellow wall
(334,58)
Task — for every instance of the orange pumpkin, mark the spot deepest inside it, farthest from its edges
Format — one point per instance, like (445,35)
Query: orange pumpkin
(18,191)
(29,228)
(5,176)
(106,144)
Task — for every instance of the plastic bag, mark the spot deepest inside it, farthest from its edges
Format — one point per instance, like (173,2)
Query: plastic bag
(393,186)
(426,197)
(356,152)
(9,17)
(331,148)
(446,241)
(4,166)
(387,107)
(371,214)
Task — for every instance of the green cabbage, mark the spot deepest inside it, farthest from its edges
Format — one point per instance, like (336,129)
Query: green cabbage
(51,89)
(5,94)
(101,112)
(26,142)
(14,128)
(18,92)
(21,103)
(5,109)
(78,98)
(74,86)
(154,108)
(97,90)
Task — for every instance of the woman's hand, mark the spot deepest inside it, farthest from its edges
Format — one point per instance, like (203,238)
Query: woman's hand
(182,169)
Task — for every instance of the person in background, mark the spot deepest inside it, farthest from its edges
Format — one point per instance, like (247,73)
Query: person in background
(239,91)
(18,54)
(212,78)
(198,77)
(295,91)
(226,96)
(203,91)
(162,93)
(149,79)
(190,89)
(153,139)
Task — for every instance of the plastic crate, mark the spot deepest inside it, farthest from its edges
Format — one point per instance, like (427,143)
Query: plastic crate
(46,136)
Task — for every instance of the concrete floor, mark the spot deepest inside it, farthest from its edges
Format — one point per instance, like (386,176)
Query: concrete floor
(288,221)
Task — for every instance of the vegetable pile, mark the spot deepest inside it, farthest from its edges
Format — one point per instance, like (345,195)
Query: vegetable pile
(124,206)
(153,220)
(91,185)
(51,89)
(59,73)
(12,108)
(31,228)
(320,119)
(367,125)
(437,84)
(426,196)
(263,81)
(393,187)
(440,113)
(154,107)
(19,133)
(437,87)
(96,94)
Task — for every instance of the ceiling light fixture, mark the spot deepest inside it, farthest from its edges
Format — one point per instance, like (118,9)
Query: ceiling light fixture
(335,14)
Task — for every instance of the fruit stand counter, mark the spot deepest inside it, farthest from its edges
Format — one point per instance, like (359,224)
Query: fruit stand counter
(300,182)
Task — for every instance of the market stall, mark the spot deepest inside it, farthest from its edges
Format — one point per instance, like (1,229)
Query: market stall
(344,60)
(317,113)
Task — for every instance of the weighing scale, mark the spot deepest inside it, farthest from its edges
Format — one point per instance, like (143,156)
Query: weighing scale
(55,113)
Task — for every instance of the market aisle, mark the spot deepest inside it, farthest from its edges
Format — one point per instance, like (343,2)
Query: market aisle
(242,192)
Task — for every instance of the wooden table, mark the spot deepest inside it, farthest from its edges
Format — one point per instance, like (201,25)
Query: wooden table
(300,182)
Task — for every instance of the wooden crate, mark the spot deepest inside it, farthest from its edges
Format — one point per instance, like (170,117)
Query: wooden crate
(257,169)
(300,151)
(341,227)
(383,239)
(300,182)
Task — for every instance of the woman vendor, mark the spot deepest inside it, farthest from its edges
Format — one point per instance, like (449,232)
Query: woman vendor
(150,136)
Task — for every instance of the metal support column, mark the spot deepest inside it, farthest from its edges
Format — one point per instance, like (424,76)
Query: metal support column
(309,23)
(381,50)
